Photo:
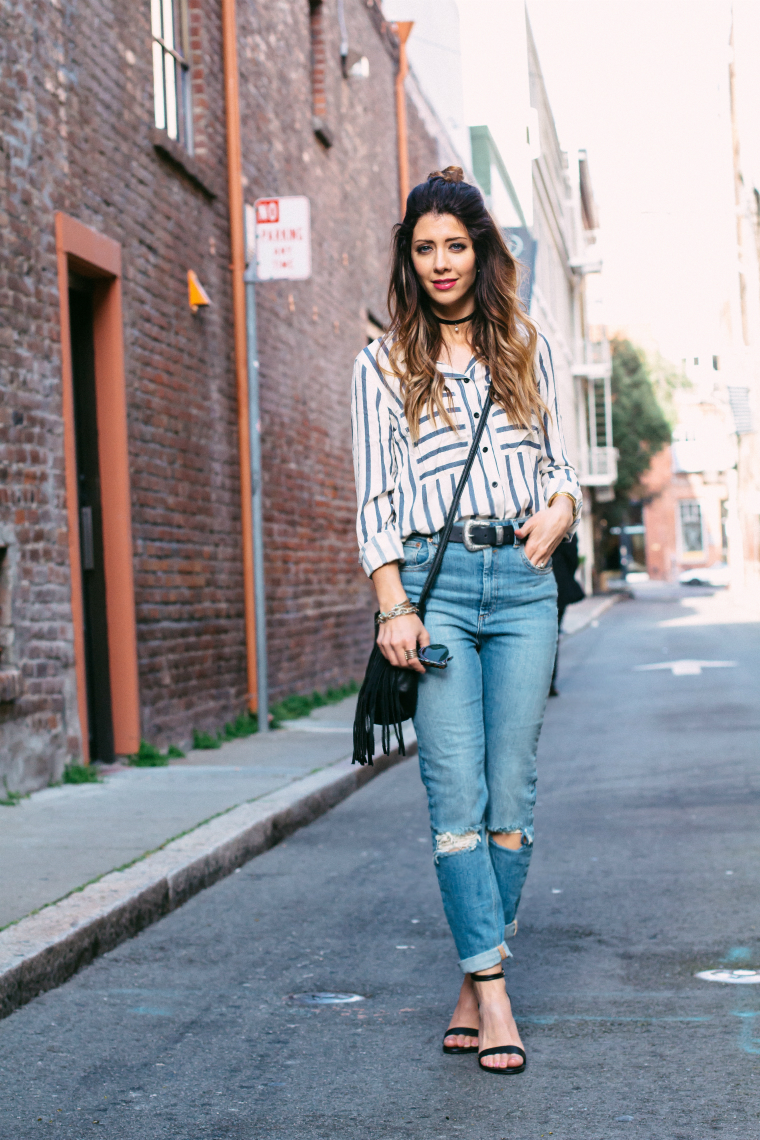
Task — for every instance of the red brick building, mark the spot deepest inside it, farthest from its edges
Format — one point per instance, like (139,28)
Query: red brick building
(687,490)
(121,563)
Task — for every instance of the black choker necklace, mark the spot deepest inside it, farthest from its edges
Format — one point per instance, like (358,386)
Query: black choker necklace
(456,324)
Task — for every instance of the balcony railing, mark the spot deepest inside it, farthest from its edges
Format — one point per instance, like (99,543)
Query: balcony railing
(598,467)
(593,360)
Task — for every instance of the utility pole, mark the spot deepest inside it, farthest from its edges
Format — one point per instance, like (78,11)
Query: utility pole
(254,430)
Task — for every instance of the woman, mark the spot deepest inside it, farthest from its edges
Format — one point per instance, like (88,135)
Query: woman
(458,329)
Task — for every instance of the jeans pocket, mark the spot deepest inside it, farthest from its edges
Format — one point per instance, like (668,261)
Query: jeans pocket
(418,554)
(539,570)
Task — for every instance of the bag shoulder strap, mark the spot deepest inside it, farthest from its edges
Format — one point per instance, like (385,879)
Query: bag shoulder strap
(445,533)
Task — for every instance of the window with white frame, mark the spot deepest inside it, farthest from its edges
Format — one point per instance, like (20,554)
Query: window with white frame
(691,526)
(171,70)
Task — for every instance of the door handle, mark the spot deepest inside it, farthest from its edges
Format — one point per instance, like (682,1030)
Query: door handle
(88,546)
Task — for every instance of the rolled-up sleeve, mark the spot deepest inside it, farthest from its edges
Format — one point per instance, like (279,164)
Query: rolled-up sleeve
(374,469)
(556,471)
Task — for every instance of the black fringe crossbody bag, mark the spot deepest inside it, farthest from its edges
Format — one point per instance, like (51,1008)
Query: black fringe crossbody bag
(388,694)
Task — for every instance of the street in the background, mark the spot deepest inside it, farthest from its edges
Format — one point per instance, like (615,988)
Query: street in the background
(644,876)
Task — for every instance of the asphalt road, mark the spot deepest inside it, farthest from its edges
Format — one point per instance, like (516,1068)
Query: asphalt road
(646,871)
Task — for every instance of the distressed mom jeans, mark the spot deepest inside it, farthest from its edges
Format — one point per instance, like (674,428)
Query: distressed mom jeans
(477,726)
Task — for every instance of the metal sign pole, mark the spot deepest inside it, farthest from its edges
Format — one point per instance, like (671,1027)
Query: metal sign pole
(254,420)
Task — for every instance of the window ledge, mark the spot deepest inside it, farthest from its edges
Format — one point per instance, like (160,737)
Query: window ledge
(10,684)
(178,157)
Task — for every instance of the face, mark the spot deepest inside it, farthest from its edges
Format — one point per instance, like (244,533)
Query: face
(444,260)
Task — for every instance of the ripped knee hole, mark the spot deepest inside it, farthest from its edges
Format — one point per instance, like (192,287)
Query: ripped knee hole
(447,843)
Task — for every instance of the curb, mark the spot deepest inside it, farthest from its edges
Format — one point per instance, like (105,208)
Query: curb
(604,603)
(45,949)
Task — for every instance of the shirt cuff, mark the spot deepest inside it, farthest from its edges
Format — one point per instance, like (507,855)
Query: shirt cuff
(380,549)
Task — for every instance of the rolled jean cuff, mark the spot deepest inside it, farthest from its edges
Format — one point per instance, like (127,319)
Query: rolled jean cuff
(486,959)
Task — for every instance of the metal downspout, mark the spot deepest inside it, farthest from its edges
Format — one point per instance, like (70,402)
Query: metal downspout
(237,244)
(403,30)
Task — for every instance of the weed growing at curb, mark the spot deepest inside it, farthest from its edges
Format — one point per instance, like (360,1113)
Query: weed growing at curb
(289,709)
(245,725)
(11,798)
(80,774)
(148,756)
(296,706)
(206,740)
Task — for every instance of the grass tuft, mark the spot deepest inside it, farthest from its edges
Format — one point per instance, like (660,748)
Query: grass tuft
(11,798)
(289,709)
(245,725)
(148,756)
(206,740)
(297,706)
(80,774)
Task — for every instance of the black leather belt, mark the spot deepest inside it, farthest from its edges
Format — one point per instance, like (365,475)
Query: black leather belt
(478,535)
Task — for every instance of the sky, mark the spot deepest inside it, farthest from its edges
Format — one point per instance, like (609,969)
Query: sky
(643,86)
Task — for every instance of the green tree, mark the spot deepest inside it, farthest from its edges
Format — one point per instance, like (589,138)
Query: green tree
(640,428)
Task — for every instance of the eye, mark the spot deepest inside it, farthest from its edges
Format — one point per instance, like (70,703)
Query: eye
(457,246)
(425,248)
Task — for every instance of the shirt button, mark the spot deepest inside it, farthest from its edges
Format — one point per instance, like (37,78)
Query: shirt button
(477,415)
(467,379)
(494,484)
(485,449)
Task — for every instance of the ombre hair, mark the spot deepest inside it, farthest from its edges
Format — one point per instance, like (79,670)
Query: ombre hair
(503,336)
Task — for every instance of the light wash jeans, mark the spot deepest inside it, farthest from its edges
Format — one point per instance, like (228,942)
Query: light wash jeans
(477,728)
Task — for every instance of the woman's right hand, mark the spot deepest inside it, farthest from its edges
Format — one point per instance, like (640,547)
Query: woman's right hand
(399,634)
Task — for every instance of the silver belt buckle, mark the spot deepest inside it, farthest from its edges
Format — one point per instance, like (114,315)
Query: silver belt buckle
(467,531)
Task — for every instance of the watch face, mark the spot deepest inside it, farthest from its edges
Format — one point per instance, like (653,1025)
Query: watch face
(437,656)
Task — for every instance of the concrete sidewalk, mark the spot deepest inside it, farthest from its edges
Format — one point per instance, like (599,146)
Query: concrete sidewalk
(55,841)
(583,613)
(85,867)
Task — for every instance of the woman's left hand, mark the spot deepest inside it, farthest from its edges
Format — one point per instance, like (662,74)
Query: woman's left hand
(543,532)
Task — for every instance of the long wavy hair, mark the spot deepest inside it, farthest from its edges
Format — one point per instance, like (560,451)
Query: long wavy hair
(503,336)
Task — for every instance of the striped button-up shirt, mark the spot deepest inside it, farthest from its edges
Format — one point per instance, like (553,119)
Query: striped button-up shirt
(405,487)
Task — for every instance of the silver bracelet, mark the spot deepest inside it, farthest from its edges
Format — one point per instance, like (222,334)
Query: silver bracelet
(401,609)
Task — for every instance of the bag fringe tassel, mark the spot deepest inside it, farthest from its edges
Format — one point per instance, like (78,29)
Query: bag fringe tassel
(379,702)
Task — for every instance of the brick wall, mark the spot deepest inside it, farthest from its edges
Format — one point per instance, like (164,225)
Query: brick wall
(660,517)
(77,101)
(319,602)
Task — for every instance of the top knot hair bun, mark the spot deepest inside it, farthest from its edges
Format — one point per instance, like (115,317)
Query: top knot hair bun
(450,174)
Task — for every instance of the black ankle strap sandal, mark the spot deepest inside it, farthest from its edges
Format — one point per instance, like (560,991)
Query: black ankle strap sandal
(512,1070)
(457,1031)
(486,977)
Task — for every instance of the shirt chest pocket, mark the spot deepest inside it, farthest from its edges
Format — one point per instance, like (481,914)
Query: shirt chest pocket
(511,438)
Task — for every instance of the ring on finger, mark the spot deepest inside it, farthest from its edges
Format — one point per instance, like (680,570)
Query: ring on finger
(410,654)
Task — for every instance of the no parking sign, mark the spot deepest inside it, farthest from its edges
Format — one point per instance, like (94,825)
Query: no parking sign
(279,237)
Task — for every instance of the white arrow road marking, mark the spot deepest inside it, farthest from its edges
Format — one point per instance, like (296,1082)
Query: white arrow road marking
(731,977)
(687,668)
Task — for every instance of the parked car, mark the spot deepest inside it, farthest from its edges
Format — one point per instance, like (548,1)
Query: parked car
(715,575)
